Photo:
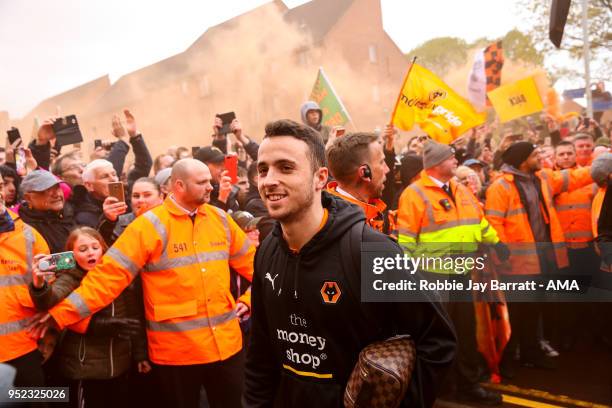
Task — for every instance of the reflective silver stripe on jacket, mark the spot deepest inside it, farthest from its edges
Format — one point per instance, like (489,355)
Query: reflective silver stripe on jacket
(29,252)
(223,216)
(161,231)
(428,207)
(79,304)
(12,327)
(187,260)
(11,280)
(242,251)
(407,232)
(577,206)
(495,213)
(197,323)
(455,223)
(123,260)
(566,179)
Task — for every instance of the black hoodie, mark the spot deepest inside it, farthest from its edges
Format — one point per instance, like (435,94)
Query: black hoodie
(302,349)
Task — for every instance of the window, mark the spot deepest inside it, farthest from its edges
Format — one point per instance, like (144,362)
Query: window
(373,54)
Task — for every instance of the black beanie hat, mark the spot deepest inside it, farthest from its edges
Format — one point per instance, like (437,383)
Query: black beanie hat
(517,153)
(410,167)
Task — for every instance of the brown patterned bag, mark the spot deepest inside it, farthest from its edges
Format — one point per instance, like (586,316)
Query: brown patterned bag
(382,374)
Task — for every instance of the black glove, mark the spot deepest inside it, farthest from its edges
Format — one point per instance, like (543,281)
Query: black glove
(502,251)
(114,327)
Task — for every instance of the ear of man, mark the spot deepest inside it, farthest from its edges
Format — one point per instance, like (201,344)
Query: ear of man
(366,172)
(321,176)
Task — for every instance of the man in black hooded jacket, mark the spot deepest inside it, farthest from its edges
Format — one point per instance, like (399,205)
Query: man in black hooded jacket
(308,322)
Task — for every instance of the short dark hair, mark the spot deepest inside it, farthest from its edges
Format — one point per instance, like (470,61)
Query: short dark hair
(312,138)
(565,143)
(347,153)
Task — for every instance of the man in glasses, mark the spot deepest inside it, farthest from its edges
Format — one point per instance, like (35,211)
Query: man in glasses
(69,167)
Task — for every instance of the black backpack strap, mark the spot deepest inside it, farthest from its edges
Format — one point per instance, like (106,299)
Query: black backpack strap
(386,222)
(350,256)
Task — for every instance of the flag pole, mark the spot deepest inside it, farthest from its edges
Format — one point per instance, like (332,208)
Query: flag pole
(399,96)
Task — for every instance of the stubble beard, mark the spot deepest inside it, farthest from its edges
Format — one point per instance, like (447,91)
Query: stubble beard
(300,208)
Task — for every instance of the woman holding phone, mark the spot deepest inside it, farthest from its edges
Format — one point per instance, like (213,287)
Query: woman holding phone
(146,194)
(97,352)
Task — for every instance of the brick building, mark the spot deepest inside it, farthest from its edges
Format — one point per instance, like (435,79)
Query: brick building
(261,64)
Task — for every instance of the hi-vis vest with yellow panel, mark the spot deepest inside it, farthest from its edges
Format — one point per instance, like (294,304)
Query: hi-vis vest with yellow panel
(184,266)
(431,223)
(17,250)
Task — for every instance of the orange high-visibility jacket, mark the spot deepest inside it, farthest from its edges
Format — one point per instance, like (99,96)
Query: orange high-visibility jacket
(596,210)
(507,214)
(574,211)
(184,267)
(427,214)
(17,250)
(373,210)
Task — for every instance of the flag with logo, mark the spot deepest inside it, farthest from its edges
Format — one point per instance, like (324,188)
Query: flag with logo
(323,93)
(427,101)
(520,98)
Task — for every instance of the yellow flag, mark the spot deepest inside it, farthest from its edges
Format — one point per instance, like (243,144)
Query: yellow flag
(517,99)
(427,101)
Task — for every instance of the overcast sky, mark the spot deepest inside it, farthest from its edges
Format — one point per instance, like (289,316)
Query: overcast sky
(49,47)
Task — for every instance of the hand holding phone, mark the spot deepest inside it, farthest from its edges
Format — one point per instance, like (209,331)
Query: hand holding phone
(231,165)
(13,135)
(340,131)
(226,120)
(60,261)
(67,131)
(116,190)
(20,161)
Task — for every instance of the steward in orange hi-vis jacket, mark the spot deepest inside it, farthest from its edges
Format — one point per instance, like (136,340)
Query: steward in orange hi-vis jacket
(18,245)
(523,217)
(183,250)
(185,277)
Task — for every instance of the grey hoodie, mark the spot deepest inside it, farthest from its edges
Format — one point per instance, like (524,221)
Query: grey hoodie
(322,129)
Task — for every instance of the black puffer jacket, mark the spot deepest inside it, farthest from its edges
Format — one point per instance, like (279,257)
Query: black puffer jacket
(53,226)
(87,356)
(87,209)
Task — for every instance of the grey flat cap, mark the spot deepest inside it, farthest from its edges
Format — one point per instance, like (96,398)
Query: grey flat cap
(38,180)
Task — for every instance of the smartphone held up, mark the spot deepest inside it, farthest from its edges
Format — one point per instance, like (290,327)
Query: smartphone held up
(231,165)
(116,190)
